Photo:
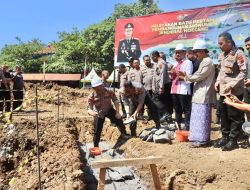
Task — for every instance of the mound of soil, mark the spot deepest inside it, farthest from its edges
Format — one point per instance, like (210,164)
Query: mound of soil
(61,162)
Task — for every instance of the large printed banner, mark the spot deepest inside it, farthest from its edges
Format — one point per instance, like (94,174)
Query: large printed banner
(139,36)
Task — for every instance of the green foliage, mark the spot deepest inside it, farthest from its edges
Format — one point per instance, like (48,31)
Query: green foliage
(69,47)
(142,7)
(99,38)
(95,44)
(22,54)
(239,1)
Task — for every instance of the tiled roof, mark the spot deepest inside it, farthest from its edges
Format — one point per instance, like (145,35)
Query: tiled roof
(52,77)
(46,50)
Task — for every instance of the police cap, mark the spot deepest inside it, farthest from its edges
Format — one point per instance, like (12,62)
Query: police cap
(129,25)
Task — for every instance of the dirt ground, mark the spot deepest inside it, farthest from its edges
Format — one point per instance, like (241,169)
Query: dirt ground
(62,164)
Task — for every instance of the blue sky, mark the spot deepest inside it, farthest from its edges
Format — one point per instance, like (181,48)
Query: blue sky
(29,19)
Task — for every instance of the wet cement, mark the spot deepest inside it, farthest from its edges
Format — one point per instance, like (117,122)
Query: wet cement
(117,178)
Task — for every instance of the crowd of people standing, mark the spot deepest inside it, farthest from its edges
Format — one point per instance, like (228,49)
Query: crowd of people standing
(11,85)
(186,87)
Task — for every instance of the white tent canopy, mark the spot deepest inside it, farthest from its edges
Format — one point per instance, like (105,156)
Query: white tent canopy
(91,75)
(111,77)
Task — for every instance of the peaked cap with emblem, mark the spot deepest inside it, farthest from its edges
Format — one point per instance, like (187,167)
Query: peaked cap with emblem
(129,25)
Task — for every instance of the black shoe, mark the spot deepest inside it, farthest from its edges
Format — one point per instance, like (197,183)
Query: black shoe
(220,143)
(125,136)
(165,117)
(231,145)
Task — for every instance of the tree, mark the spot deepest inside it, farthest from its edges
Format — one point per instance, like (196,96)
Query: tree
(142,7)
(22,54)
(99,38)
(239,1)
(95,43)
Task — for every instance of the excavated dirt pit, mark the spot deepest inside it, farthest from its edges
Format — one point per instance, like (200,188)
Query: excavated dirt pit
(63,161)
(116,178)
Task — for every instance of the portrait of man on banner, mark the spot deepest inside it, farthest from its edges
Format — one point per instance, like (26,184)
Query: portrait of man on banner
(128,47)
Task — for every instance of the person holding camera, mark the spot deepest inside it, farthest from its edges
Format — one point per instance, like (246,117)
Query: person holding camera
(100,107)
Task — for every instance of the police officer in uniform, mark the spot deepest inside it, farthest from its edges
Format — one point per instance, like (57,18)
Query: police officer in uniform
(100,107)
(230,80)
(160,79)
(135,73)
(128,47)
(147,72)
(123,73)
(105,76)
(137,96)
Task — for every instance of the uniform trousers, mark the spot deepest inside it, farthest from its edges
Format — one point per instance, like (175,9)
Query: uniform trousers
(231,120)
(152,111)
(158,100)
(98,125)
(182,104)
(167,98)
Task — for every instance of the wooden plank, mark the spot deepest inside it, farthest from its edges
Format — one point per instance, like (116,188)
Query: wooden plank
(125,162)
(155,176)
(101,184)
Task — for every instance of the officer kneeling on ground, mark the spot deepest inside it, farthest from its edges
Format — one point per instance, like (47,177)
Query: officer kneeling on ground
(137,96)
(100,107)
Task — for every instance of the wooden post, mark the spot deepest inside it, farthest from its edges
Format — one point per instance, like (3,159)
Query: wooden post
(155,176)
(37,142)
(125,162)
(103,164)
(58,111)
(101,184)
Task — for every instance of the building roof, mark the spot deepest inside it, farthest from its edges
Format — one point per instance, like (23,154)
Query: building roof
(50,49)
(52,77)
